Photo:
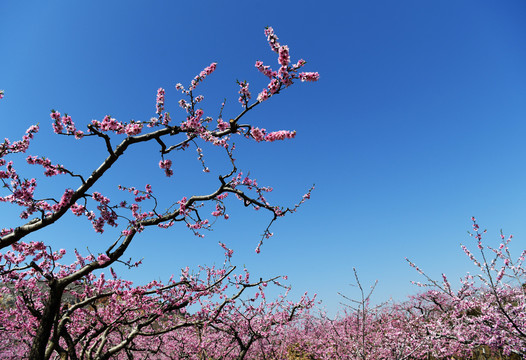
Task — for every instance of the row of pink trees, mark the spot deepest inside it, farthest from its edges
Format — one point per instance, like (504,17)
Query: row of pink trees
(487,313)
(54,309)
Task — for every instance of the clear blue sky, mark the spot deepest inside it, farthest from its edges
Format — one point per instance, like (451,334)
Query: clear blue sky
(417,124)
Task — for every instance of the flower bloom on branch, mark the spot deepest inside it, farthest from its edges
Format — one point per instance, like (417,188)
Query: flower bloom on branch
(64,122)
(202,75)
(57,124)
(133,129)
(272,39)
(1,94)
(50,169)
(309,76)
(285,76)
(102,259)
(299,64)
(222,125)
(182,206)
(273,86)
(166,165)
(280,135)
(185,105)
(193,122)
(265,69)
(6,231)
(64,200)
(228,252)
(258,134)
(284,57)
(18,146)
(100,198)
(109,124)
(261,135)
(166,119)
(160,101)
(244,93)
(264,95)
(78,209)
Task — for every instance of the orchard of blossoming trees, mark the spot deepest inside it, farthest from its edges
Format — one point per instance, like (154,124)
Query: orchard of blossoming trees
(53,309)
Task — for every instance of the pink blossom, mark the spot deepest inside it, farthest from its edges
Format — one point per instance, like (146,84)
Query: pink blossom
(166,165)
(280,135)
(133,129)
(6,231)
(309,76)
(284,57)
(182,206)
(222,125)
(102,259)
(264,95)
(244,93)
(258,134)
(159,105)
(272,39)
(265,69)
(273,86)
(202,75)
(78,209)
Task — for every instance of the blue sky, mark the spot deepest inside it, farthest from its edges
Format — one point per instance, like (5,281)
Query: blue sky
(416,124)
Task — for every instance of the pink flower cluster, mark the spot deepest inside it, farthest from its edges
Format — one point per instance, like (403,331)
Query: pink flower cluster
(185,105)
(50,169)
(166,165)
(103,259)
(166,119)
(265,69)
(107,214)
(263,95)
(18,146)
(59,123)
(220,211)
(197,226)
(193,122)
(222,125)
(284,57)
(286,73)
(64,200)
(202,75)
(6,231)
(159,104)
(272,39)
(110,124)
(133,128)
(244,93)
(182,206)
(261,135)
(258,134)
(78,210)
(21,190)
(229,253)
(309,76)
(139,195)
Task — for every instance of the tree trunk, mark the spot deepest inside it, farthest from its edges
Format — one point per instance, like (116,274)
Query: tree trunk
(38,347)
